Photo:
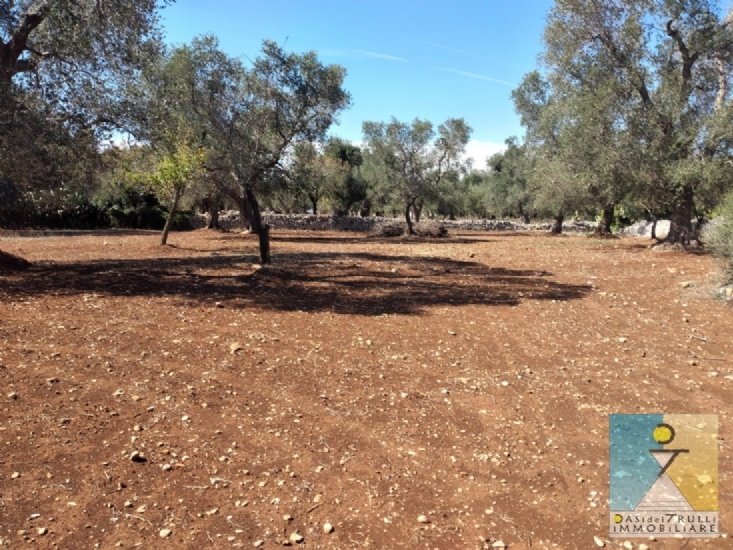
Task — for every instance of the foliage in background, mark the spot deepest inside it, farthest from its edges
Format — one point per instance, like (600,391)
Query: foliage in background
(718,235)
(411,164)
(635,103)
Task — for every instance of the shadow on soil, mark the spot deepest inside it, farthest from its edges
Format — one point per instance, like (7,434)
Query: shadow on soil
(403,239)
(353,283)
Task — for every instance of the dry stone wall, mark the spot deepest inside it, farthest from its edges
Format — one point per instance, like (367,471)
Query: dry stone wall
(309,222)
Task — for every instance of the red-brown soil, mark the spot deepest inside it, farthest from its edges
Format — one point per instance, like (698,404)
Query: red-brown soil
(358,382)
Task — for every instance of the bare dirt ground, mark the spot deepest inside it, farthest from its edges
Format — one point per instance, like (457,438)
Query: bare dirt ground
(356,382)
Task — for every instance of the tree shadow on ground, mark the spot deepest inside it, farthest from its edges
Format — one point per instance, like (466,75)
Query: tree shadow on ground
(345,283)
(366,239)
(109,232)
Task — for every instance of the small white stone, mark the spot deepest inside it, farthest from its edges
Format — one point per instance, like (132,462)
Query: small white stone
(423,519)
(296,537)
(42,531)
(327,528)
(15,475)
(258,543)
(137,456)
(165,533)
(599,542)
(627,544)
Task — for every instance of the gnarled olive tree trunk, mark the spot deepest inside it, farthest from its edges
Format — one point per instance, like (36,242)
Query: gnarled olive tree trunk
(556,228)
(680,226)
(261,229)
(177,193)
(603,229)
(408,218)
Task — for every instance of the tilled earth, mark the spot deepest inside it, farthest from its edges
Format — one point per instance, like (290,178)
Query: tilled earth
(441,394)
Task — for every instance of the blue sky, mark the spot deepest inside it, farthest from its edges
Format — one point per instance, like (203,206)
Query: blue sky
(405,58)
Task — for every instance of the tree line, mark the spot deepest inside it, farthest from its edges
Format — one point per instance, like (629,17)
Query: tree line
(628,116)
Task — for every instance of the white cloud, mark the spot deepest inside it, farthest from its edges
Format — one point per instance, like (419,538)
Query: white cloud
(478,151)
(362,54)
(378,55)
(477,76)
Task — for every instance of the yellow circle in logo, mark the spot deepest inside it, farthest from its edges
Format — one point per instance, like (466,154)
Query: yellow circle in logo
(618,518)
(663,434)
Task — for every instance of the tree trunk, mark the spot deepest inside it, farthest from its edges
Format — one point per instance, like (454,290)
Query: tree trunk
(680,227)
(417,211)
(243,215)
(212,219)
(654,228)
(314,204)
(177,192)
(603,229)
(262,230)
(556,228)
(408,219)
(522,214)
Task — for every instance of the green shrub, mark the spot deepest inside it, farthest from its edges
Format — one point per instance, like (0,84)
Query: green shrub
(131,208)
(718,235)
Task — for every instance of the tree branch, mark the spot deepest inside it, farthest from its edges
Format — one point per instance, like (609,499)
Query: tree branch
(687,60)
(10,62)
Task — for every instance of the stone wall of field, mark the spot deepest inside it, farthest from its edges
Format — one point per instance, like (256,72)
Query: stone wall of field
(309,222)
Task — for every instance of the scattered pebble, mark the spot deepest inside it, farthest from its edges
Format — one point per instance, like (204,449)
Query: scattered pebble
(42,531)
(327,528)
(296,537)
(423,519)
(15,475)
(137,456)
(165,533)
(599,542)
